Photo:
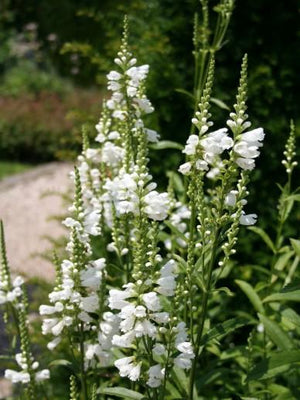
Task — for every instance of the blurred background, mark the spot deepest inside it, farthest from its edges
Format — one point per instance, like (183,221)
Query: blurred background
(54,57)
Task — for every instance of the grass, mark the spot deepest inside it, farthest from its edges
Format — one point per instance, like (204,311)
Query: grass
(8,168)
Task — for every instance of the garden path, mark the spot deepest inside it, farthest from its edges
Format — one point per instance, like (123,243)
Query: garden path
(25,211)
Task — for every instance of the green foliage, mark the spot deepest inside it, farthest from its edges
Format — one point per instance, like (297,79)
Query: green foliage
(26,78)
(9,168)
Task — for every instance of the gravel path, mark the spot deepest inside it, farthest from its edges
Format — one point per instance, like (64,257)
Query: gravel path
(25,212)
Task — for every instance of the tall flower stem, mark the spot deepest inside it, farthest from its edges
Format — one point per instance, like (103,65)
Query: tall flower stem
(204,310)
(82,371)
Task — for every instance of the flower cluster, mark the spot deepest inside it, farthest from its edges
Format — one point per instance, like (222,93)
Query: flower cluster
(10,292)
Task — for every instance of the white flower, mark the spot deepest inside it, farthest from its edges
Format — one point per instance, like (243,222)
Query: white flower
(18,281)
(145,105)
(254,136)
(145,328)
(230,199)
(247,148)
(201,165)
(42,375)
(128,369)
(167,285)
(124,340)
(185,168)
(160,317)
(152,135)
(191,145)
(245,163)
(159,349)
(90,303)
(117,298)
(156,375)
(151,301)
(249,219)
(112,154)
(51,345)
(114,76)
(157,205)
(183,360)
(16,377)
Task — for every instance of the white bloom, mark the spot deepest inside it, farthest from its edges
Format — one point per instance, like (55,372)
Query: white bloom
(249,219)
(128,369)
(151,301)
(185,168)
(51,345)
(112,154)
(152,135)
(201,165)
(245,163)
(167,285)
(114,76)
(191,145)
(160,317)
(117,298)
(123,340)
(230,199)
(159,349)
(247,148)
(254,136)
(157,205)
(42,375)
(18,281)
(90,303)
(16,377)
(145,328)
(156,375)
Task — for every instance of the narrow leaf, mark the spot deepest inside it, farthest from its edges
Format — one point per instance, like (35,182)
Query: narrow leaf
(291,316)
(252,295)
(296,246)
(288,296)
(121,392)
(188,94)
(166,144)
(276,333)
(221,330)
(276,364)
(219,103)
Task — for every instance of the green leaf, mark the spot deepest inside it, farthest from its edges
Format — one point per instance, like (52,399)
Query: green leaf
(223,329)
(219,103)
(121,392)
(276,333)
(281,296)
(296,246)
(61,362)
(266,238)
(283,260)
(176,181)
(291,316)
(252,295)
(288,293)
(188,94)
(276,364)
(293,197)
(166,144)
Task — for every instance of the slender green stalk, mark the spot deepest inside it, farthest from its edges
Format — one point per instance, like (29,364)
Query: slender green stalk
(82,370)
(204,310)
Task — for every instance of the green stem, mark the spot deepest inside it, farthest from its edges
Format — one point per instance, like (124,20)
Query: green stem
(204,310)
(82,371)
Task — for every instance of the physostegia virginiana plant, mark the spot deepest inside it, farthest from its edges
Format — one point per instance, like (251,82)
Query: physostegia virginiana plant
(132,295)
